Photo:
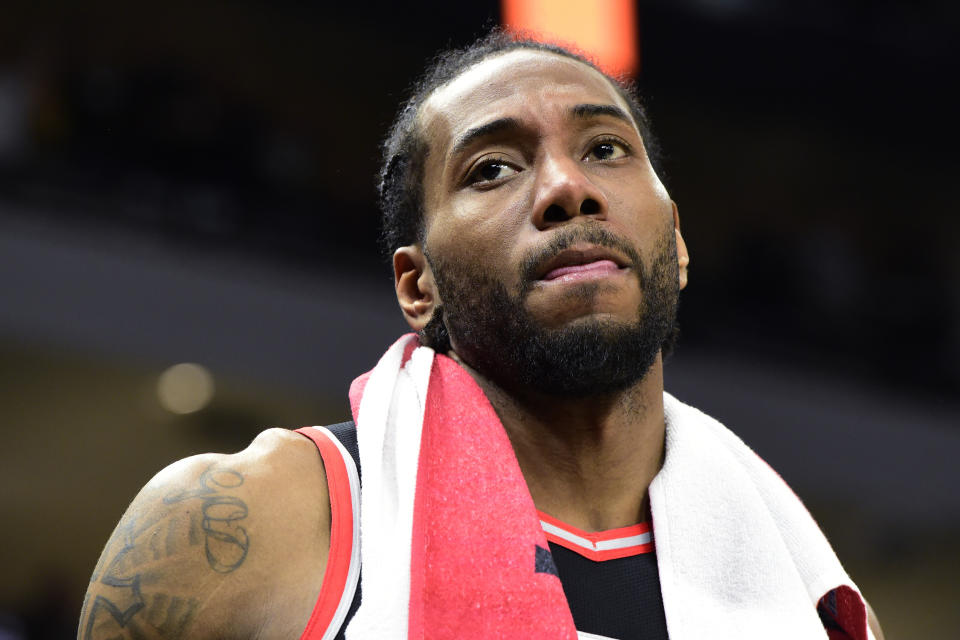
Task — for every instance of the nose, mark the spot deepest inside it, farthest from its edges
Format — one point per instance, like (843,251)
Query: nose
(564,191)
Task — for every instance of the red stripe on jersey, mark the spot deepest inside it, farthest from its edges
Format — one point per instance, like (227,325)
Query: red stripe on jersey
(599,545)
(341,535)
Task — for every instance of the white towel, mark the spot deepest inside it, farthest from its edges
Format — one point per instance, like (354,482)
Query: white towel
(391,411)
(739,555)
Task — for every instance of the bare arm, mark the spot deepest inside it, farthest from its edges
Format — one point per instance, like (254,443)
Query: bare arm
(216,546)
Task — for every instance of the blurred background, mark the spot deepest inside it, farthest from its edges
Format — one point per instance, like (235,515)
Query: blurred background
(188,254)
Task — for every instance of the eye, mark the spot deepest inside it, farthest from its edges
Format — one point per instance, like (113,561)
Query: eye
(607,150)
(490,171)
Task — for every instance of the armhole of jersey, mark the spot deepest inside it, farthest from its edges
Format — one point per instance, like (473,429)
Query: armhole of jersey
(343,562)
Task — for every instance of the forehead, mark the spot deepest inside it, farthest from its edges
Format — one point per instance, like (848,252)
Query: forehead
(510,85)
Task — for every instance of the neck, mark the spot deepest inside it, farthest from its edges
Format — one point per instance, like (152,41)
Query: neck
(587,461)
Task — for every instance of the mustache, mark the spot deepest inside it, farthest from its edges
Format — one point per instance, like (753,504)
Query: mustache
(566,238)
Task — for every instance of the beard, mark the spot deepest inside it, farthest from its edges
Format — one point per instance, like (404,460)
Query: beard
(496,335)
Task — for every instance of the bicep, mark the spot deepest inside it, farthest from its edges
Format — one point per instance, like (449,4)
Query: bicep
(177,546)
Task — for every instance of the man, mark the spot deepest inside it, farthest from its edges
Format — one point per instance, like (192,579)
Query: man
(514,455)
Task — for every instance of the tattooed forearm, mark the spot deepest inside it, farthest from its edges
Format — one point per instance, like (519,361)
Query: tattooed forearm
(226,542)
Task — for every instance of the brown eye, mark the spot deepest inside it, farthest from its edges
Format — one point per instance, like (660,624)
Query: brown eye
(491,171)
(606,150)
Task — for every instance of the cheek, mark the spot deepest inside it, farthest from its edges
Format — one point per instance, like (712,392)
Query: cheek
(644,205)
(482,228)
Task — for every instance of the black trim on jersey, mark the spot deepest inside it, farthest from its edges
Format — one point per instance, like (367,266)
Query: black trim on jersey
(618,598)
(346,433)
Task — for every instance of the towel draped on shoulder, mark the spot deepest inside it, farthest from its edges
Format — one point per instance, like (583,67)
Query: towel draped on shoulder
(449,532)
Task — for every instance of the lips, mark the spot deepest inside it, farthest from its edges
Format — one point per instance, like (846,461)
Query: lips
(597,268)
(582,262)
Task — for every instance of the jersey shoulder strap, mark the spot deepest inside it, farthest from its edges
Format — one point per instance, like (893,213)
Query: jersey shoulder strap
(340,593)
(346,433)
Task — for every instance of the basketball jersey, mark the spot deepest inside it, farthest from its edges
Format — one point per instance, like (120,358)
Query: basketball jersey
(610,578)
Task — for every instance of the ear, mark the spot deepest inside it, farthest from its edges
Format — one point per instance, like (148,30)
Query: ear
(683,258)
(416,290)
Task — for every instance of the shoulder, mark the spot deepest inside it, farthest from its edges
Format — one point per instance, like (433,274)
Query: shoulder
(201,548)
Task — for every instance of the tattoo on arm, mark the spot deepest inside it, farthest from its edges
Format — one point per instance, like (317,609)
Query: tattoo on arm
(131,600)
(226,543)
(128,564)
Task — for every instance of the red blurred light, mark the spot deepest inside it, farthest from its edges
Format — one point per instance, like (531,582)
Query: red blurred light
(606,30)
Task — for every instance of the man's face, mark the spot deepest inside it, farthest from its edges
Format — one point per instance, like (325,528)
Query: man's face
(550,236)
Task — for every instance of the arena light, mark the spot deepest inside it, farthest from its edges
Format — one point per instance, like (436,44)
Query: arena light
(604,29)
(185,388)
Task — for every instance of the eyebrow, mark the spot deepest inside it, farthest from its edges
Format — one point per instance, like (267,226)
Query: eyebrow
(593,110)
(504,124)
(491,128)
